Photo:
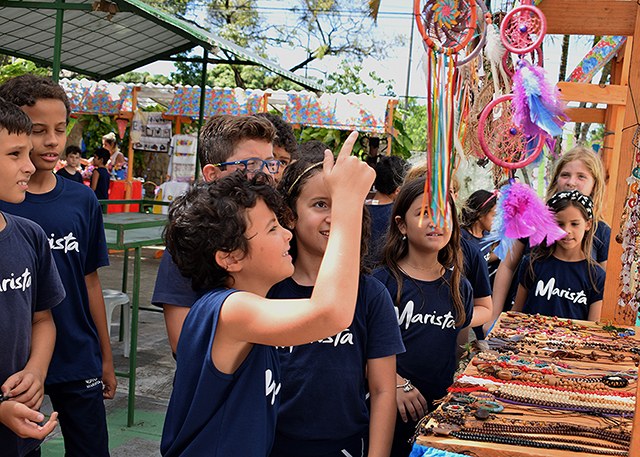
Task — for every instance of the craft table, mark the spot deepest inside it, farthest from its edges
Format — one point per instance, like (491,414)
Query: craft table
(434,431)
(126,231)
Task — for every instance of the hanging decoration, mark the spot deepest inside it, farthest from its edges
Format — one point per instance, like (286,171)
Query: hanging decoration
(446,27)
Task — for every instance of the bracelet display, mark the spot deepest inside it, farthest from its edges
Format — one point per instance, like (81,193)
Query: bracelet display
(407,386)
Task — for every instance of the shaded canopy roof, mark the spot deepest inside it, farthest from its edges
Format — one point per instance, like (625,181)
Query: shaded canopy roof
(103,44)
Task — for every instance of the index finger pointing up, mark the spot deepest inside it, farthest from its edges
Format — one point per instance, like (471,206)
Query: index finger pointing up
(347,147)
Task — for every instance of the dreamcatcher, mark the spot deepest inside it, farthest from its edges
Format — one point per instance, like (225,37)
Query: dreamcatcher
(514,128)
(446,27)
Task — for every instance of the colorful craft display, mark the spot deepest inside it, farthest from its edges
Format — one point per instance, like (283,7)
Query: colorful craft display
(98,97)
(523,28)
(544,383)
(597,58)
(521,213)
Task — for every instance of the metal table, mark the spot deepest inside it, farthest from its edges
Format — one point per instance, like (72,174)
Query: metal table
(126,231)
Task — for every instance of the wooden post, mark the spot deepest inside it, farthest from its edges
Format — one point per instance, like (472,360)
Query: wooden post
(388,128)
(616,196)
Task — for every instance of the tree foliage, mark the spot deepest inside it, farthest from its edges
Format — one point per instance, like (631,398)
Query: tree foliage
(10,68)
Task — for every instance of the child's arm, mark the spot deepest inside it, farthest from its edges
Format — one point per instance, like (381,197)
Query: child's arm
(381,375)
(595,310)
(250,318)
(24,421)
(410,403)
(504,276)
(27,386)
(521,298)
(99,316)
(95,176)
(482,311)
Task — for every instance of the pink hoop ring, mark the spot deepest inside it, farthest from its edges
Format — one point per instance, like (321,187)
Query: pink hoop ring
(519,27)
(510,140)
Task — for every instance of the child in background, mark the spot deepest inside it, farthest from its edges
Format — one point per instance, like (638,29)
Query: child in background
(476,217)
(579,169)
(423,272)
(390,173)
(71,169)
(100,178)
(81,373)
(30,288)
(225,236)
(285,145)
(563,280)
(330,376)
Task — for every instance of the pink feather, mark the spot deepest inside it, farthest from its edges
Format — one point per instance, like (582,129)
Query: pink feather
(526,215)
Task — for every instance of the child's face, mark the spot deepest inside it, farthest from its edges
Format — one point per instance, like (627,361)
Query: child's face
(314,217)
(73,160)
(573,222)
(268,258)
(97,161)
(487,220)
(285,159)
(576,176)
(49,135)
(15,166)
(248,149)
(429,237)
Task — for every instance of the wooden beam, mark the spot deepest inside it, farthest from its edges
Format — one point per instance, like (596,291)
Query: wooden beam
(588,115)
(595,17)
(609,94)
(618,188)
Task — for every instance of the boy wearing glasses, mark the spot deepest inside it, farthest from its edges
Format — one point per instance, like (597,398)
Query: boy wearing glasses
(227,143)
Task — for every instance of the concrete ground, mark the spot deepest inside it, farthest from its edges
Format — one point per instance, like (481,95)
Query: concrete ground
(155,372)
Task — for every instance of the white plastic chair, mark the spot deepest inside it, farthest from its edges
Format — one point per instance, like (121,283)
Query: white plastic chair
(112,300)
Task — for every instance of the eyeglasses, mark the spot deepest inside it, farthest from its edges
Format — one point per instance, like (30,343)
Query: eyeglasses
(253,165)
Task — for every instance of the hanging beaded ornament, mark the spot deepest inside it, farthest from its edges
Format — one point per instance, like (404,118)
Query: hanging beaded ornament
(523,28)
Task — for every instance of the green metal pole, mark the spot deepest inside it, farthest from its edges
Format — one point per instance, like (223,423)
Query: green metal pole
(57,42)
(133,350)
(203,99)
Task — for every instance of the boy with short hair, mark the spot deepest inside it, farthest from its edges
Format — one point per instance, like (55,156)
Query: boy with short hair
(227,143)
(29,287)
(70,170)
(81,372)
(101,177)
(285,145)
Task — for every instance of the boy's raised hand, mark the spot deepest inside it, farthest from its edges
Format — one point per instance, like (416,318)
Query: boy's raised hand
(348,176)
(24,421)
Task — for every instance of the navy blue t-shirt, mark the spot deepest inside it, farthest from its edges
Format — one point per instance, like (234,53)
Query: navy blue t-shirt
(475,269)
(485,250)
(561,289)
(171,287)
(213,413)
(601,242)
(324,383)
(102,187)
(380,221)
(427,324)
(77,176)
(29,282)
(72,220)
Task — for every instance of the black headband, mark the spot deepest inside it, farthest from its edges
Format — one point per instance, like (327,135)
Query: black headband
(573,195)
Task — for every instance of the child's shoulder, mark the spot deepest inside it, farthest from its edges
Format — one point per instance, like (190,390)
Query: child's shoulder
(19,230)
(382,274)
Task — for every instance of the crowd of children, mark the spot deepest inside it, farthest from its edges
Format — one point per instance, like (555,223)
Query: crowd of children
(302,326)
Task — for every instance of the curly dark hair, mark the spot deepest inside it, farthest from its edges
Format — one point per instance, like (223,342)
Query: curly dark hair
(13,119)
(290,186)
(212,217)
(312,150)
(26,90)
(284,134)
(222,133)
